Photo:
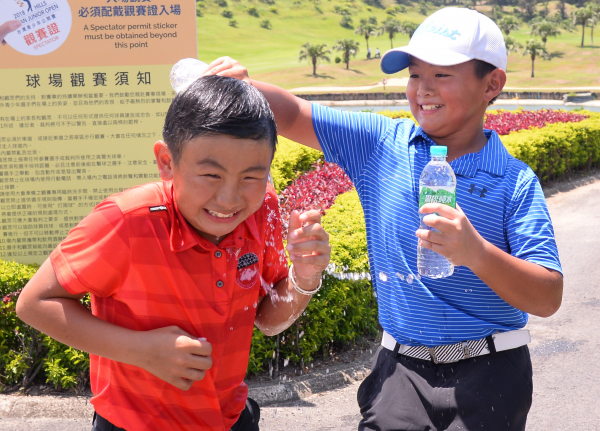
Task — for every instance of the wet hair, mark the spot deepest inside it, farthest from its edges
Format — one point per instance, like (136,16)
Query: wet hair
(218,105)
(482,69)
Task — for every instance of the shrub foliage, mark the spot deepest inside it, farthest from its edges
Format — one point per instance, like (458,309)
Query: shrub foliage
(26,353)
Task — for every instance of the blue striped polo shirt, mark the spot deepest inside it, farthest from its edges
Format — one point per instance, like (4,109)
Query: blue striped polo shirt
(500,195)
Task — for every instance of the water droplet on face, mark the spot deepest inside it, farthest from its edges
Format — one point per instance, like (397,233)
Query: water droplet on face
(400,276)
(383,276)
(255,304)
(231,329)
(418,276)
(246,308)
(409,278)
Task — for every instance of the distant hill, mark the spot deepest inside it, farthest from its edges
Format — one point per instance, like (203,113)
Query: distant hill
(271,53)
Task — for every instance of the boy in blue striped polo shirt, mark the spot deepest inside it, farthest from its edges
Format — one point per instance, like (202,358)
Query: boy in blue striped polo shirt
(454,354)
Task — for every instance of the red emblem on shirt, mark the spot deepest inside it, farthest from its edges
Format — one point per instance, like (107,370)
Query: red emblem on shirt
(248,270)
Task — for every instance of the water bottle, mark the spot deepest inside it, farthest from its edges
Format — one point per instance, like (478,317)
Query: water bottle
(185,72)
(436,185)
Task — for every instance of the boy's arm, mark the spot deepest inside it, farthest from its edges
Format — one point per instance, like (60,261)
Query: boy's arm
(527,286)
(292,114)
(309,250)
(169,353)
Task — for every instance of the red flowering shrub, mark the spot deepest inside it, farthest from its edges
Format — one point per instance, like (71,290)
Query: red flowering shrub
(504,122)
(316,189)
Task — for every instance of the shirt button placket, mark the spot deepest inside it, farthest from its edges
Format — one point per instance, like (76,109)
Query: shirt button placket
(219,264)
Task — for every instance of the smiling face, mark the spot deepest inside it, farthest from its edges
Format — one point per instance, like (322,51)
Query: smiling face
(218,182)
(448,101)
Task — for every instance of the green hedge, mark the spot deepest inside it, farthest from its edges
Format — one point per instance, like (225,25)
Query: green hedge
(559,148)
(25,353)
(290,160)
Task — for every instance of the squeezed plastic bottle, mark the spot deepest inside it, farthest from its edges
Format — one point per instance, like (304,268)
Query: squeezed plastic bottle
(436,185)
(186,71)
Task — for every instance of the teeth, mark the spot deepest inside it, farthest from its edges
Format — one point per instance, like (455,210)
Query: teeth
(430,107)
(216,214)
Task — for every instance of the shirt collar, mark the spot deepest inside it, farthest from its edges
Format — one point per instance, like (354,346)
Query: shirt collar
(492,158)
(183,236)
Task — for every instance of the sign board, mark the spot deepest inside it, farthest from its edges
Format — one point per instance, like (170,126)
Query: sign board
(84,88)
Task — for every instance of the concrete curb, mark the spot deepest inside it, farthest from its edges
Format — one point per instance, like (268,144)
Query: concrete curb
(79,407)
(297,390)
(47,406)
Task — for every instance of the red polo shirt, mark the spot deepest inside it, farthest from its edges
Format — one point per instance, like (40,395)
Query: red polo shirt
(146,268)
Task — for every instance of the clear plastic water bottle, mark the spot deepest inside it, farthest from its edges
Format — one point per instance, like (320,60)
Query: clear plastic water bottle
(186,71)
(436,185)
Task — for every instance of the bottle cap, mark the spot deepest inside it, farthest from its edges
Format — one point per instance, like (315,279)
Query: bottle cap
(439,150)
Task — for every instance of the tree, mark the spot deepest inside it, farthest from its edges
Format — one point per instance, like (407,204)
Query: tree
(348,47)
(527,8)
(314,53)
(497,12)
(367,30)
(508,24)
(581,17)
(512,45)
(593,20)
(562,9)
(534,48)
(391,26)
(409,28)
(544,29)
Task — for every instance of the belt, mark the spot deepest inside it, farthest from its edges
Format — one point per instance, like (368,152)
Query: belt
(456,352)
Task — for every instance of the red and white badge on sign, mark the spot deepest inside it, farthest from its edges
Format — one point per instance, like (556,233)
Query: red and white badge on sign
(46,24)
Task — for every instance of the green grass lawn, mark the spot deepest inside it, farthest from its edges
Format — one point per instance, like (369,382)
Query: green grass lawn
(272,55)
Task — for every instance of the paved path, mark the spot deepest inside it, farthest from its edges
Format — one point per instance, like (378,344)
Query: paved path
(391,82)
(565,347)
(402,82)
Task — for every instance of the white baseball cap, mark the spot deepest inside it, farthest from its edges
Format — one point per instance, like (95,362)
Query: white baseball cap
(450,36)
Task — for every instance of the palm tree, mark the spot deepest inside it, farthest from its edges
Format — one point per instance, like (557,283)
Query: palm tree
(508,24)
(314,53)
(595,8)
(581,17)
(512,45)
(544,29)
(367,30)
(409,28)
(391,26)
(349,47)
(535,48)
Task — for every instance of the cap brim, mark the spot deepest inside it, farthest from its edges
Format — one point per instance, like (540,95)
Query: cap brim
(397,59)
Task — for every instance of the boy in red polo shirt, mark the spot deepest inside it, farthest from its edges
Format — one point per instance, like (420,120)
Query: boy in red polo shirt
(180,271)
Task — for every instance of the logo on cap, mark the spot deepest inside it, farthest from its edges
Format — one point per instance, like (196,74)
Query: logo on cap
(441,30)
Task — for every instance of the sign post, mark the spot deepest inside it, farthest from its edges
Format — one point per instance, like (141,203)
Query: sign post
(84,88)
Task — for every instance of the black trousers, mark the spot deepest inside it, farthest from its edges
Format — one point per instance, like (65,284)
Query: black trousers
(248,420)
(490,392)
